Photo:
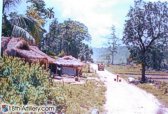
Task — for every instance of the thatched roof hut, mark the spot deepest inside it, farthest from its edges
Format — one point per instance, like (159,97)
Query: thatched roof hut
(36,49)
(69,61)
(70,65)
(4,42)
(20,48)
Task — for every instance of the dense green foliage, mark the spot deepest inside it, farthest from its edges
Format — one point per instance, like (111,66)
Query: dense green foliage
(154,58)
(37,10)
(40,13)
(28,26)
(22,84)
(67,38)
(145,29)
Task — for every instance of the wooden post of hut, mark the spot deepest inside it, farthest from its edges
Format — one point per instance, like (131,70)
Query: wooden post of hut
(78,70)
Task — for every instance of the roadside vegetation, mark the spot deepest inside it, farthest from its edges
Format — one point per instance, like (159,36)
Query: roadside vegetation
(88,72)
(22,84)
(80,98)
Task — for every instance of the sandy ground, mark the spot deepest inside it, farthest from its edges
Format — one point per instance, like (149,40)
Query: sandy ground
(124,98)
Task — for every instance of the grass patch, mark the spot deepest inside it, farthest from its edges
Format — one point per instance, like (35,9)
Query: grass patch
(132,69)
(119,69)
(80,99)
(86,68)
(125,71)
(89,75)
(88,72)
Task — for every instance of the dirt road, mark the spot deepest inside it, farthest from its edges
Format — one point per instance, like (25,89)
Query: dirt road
(124,98)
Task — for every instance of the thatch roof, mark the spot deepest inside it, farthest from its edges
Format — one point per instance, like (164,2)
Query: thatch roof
(4,42)
(20,48)
(18,43)
(69,61)
(36,49)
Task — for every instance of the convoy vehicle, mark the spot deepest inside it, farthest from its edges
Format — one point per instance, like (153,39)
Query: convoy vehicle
(101,67)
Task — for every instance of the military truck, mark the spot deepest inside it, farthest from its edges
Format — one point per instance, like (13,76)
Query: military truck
(100,67)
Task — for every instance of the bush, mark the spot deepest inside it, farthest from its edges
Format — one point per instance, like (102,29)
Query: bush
(21,83)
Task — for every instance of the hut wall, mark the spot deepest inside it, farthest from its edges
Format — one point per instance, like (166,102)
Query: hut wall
(71,71)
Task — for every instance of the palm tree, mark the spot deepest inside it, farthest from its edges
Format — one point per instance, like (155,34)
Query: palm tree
(50,13)
(19,25)
(34,13)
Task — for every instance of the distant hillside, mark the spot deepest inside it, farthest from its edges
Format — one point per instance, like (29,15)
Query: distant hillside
(99,55)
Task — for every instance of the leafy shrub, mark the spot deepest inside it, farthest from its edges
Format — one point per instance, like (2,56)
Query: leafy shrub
(21,83)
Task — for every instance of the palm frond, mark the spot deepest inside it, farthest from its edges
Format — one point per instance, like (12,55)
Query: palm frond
(20,32)
(20,21)
(29,24)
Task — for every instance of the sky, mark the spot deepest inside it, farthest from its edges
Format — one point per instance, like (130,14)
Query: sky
(97,15)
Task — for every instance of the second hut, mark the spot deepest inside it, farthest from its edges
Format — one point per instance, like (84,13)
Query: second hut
(69,65)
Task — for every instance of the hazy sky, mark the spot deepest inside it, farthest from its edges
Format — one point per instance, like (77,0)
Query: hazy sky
(97,15)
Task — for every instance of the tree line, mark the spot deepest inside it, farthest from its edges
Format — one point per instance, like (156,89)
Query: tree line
(67,39)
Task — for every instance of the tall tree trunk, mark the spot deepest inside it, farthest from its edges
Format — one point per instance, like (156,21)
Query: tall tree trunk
(143,64)
(143,79)
(112,58)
